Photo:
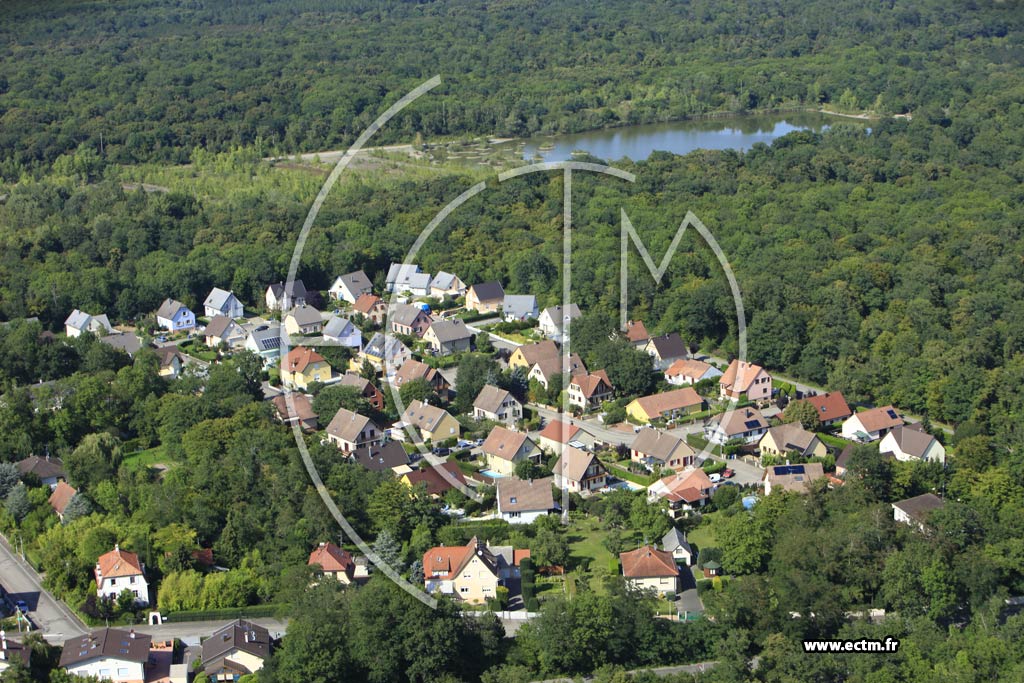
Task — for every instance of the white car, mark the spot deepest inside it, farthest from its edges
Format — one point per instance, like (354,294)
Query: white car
(715,478)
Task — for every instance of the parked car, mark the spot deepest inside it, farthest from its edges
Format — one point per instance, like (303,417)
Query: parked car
(728,473)
(715,478)
(442,451)
(22,606)
(463,443)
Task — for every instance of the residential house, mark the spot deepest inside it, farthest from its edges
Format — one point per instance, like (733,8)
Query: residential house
(49,470)
(60,496)
(108,654)
(303,366)
(791,438)
(486,297)
(665,406)
(349,431)
(871,425)
(350,287)
(637,335)
(342,332)
(222,302)
(674,542)
(435,424)
(238,649)
(407,278)
(446,284)
(795,478)
(666,349)
(911,442)
(303,319)
(12,651)
(265,341)
(369,391)
(80,321)
(372,308)
(300,412)
(175,316)
(470,573)
(438,479)
(333,562)
(518,307)
(648,568)
(410,320)
(286,295)
(579,471)
(446,337)
(656,449)
(843,461)
(547,368)
(683,491)
(503,449)
(743,380)
(690,371)
(527,355)
(379,458)
(124,341)
(223,330)
(170,361)
(414,369)
(588,391)
(385,353)
(557,434)
(831,407)
(493,403)
(914,511)
(118,571)
(553,319)
(522,501)
(746,424)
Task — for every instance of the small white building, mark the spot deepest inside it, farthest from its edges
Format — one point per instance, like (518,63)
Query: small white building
(911,442)
(872,424)
(175,316)
(342,332)
(80,321)
(351,286)
(914,511)
(553,318)
(223,302)
(118,571)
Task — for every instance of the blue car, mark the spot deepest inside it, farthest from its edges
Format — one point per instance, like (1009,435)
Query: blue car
(22,606)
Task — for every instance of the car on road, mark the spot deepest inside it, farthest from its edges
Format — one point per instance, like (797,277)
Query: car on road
(463,443)
(715,478)
(162,340)
(727,473)
(442,451)
(22,606)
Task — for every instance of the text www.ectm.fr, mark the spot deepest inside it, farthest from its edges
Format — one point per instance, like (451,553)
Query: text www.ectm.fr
(859,645)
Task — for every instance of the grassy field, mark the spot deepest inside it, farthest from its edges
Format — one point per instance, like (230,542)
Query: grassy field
(585,543)
(704,535)
(147,458)
(835,441)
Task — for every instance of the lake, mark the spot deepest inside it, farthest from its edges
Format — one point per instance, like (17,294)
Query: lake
(678,137)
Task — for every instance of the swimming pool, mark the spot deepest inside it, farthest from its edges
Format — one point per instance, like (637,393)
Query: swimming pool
(491,474)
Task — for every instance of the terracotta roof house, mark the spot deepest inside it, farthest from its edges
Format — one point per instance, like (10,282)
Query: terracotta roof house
(683,491)
(589,391)
(175,316)
(222,302)
(911,442)
(499,405)
(303,319)
(349,431)
(369,391)
(872,424)
(439,479)
(666,349)
(831,407)
(350,286)
(470,573)
(546,368)
(60,497)
(667,405)
(282,296)
(333,562)
(742,423)
(579,471)
(557,434)
(654,448)
(527,355)
(445,337)
(690,371)
(504,449)
(108,653)
(553,318)
(674,542)
(636,334)
(796,478)
(521,502)
(435,424)
(222,329)
(789,438)
(342,332)
(50,470)
(447,284)
(648,568)
(118,571)
(517,307)
(486,297)
(80,321)
(371,307)
(413,369)
(410,320)
(914,511)
(303,366)
(238,649)
(381,457)
(744,380)
(303,414)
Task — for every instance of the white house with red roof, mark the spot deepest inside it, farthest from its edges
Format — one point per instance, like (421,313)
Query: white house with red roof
(118,571)
(648,568)
(334,562)
(743,380)
(684,491)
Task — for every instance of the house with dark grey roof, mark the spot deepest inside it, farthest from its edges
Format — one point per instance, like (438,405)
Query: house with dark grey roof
(914,511)
(223,302)
(175,316)
(911,442)
(238,649)
(285,295)
(50,470)
(223,330)
(123,341)
(675,542)
(351,286)
(522,501)
(109,654)
(485,297)
(303,319)
(516,307)
(666,349)
(381,457)
(446,337)
(265,341)
(447,284)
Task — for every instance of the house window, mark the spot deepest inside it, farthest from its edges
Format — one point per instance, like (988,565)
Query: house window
(131,579)
(464,589)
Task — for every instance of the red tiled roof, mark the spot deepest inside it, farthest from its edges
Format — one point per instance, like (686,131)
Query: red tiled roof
(830,406)
(118,563)
(300,357)
(647,562)
(331,558)
(553,431)
(61,496)
(740,375)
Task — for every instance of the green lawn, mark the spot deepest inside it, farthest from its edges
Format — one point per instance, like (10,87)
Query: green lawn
(835,441)
(704,535)
(584,539)
(147,458)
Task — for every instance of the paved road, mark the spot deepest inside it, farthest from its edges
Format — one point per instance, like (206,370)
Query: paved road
(191,632)
(48,614)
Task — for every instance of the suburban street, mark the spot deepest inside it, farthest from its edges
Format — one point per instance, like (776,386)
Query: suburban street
(47,613)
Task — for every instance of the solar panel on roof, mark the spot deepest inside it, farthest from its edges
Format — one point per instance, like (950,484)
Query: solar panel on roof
(752,424)
(891,413)
(783,470)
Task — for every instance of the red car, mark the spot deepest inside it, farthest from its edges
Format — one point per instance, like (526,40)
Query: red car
(726,473)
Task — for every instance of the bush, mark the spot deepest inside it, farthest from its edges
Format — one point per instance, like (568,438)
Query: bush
(532,605)
(252,612)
